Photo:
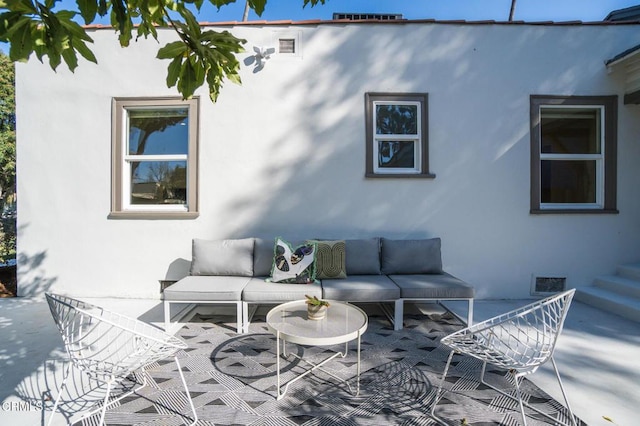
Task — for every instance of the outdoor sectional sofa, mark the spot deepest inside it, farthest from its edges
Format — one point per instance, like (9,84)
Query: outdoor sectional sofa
(380,270)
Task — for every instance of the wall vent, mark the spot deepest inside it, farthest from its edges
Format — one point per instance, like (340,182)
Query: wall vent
(287,45)
(368,16)
(545,285)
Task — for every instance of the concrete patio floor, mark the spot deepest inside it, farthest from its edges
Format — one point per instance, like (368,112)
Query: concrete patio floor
(598,355)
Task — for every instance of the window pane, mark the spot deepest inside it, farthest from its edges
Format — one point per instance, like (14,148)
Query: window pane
(159,182)
(568,181)
(570,131)
(158,131)
(397,119)
(396,154)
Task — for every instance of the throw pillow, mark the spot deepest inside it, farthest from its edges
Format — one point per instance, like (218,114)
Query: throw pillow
(330,259)
(293,265)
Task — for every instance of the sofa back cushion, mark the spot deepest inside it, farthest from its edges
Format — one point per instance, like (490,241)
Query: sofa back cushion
(363,256)
(223,257)
(411,256)
(262,257)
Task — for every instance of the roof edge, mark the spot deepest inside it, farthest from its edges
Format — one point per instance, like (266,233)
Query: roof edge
(395,22)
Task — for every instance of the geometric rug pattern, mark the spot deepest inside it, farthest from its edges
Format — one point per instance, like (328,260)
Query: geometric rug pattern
(232,380)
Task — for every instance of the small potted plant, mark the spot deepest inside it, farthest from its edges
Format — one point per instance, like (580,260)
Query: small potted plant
(316,308)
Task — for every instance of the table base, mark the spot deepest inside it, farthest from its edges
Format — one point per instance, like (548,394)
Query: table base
(313,367)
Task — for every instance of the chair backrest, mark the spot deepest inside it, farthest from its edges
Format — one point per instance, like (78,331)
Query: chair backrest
(106,344)
(523,338)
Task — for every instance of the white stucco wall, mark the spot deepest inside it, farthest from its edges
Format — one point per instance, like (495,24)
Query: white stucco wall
(284,154)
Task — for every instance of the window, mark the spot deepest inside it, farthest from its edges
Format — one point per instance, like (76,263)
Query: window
(573,154)
(396,135)
(154,158)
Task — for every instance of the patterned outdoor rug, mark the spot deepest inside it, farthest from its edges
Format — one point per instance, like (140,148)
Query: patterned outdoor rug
(232,381)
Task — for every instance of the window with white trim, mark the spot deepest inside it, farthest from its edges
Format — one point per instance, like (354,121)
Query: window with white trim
(573,160)
(396,135)
(154,168)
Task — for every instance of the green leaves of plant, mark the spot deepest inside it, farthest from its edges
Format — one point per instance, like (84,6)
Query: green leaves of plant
(201,55)
(31,26)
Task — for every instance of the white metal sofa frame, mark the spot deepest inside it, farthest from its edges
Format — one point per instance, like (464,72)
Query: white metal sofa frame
(108,347)
(399,310)
(241,310)
(246,313)
(519,341)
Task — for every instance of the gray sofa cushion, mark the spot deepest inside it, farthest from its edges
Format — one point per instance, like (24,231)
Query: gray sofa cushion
(363,256)
(223,257)
(411,256)
(361,288)
(259,290)
(432,286)
(207,288)
(263,257)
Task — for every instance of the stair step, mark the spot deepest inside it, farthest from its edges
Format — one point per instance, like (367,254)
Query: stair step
(606,300)
(618,284)
(631,271)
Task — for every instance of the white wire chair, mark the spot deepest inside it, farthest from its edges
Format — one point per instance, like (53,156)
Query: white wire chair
(519,341)
(108,347)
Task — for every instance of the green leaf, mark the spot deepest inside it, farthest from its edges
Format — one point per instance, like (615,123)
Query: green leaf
(88,10)
(220,3)
(187,82)
(21,40)
(70,58)
(83,50)
(173,71)
(258,6)
(172,50)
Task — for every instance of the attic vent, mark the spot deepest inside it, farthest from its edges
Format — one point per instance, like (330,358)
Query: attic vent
(547,285)
(366,16)
(287,45)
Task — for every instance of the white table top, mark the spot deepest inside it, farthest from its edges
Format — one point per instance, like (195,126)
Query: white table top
(343,323)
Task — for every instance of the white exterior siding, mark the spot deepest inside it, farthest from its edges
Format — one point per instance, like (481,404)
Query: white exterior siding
(284,154)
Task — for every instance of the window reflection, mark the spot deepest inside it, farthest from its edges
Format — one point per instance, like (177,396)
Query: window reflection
(159,182)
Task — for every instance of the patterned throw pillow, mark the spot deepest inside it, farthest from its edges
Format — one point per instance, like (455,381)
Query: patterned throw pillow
(293,265)
(330,259)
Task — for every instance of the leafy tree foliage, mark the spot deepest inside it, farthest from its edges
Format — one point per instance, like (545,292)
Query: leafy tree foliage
(35,27)
(7,157)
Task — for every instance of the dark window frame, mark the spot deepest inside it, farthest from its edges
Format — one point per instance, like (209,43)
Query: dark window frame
(423,99)
(610,115)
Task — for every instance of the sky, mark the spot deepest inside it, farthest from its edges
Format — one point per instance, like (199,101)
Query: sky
(470,10)
(497,10)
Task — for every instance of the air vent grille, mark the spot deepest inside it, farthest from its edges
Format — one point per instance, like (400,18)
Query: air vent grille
(367,16)
(543,285)
(287,45)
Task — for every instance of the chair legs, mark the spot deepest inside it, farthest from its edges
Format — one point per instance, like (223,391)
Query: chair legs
(518,397)
(106,403)
(186,389)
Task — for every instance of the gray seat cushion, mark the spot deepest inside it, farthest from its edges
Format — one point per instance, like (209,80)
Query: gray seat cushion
(259,290)
(361,288)
(207,288)
(432,286)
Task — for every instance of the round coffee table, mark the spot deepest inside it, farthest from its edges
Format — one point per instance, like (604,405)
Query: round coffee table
(289,323)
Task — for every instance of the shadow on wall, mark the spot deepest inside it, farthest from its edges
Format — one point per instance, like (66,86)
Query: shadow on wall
(31,279)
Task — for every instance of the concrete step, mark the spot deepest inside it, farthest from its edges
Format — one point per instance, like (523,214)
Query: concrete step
(631,271)
(625,306)
(620,285)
